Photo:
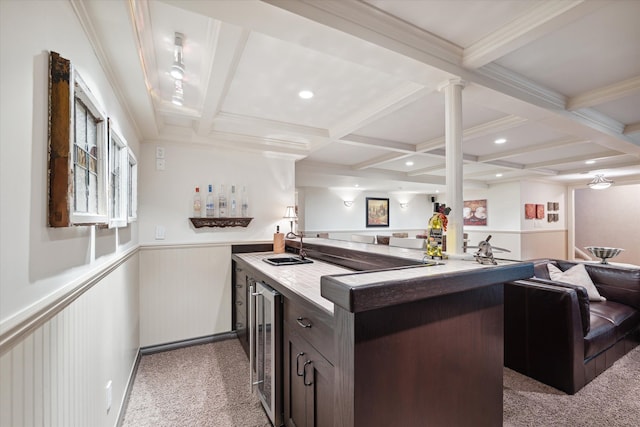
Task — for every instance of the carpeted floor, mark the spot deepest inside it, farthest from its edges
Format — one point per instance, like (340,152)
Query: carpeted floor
(207,385)
(198,386)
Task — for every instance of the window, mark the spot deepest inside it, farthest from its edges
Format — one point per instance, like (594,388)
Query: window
(132,187)
(78,188)
(118,169)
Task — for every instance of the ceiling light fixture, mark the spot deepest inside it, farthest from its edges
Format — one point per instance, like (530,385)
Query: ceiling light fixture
(348,203)
(589,162)
(599,182)
(498,175)
(177,69)
(409,163)
(178,93)
(305,94)
(500,141)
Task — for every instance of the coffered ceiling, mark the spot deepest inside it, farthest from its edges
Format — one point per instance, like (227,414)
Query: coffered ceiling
(559,80)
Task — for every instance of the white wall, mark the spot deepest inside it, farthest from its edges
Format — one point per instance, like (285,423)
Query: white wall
(609,218)
(56,374)
(185,279)
(166,196)
(38,261)
(324,210)
(525,238)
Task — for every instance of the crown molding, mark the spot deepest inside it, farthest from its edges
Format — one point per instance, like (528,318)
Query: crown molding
(604,94)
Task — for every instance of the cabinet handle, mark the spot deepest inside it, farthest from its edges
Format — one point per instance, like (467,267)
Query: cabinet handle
(239,302)
(240,286)
(304,371)
(301,323)
(239,325)
(298,364)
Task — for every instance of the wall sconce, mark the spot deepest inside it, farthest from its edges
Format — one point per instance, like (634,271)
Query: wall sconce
(290,214)
(404,205)
(348,203)
(599,182)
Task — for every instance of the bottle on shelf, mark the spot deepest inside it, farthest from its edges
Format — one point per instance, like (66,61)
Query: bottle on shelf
(233,209)
(222,202)
(245,202)
(197,204)
(210,204)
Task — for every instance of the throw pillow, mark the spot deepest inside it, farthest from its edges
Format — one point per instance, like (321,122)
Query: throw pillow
(576,275)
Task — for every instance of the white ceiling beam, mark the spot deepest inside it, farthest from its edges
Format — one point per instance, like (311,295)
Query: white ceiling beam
(600,167)
(541,19)
(531,149)
(604,94)
(425,171)
(377,161)
(574,159)
(227,44)
(383,106)
(632,128)
(365,141)
(476,131)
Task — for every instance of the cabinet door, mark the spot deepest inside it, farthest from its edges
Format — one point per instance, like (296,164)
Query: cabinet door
(240,307)
(308,384)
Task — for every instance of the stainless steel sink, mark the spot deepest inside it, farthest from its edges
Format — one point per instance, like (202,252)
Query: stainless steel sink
(289,260)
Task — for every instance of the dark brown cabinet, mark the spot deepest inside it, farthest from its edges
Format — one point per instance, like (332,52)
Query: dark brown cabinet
(308,384)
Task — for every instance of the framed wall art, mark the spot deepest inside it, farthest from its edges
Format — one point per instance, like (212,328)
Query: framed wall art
(377,212)
(475,212)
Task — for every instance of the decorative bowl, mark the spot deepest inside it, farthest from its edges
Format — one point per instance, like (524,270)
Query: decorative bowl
(603,252)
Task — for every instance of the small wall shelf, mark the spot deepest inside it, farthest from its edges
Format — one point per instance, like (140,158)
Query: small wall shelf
(220,222)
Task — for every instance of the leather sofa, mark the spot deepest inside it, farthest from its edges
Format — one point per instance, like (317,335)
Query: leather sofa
(556,335)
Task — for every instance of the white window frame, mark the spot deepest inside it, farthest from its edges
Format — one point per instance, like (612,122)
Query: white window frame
(118,159)
(132,187)
(80,91)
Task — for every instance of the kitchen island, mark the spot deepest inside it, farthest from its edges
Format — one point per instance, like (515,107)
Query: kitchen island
(405,344)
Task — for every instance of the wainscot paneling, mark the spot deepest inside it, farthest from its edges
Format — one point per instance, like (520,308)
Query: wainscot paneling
(56,373)
(185,292)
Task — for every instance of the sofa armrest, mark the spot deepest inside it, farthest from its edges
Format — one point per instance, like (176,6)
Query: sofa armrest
(544,337)
(619,284)
(583,300)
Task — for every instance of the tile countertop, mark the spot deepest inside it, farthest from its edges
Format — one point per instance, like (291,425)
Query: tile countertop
(302,279)
(323,284)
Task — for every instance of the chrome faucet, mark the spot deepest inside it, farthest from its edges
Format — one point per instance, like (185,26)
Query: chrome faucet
(302,253)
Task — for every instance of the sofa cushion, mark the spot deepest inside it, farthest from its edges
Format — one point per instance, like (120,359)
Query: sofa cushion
(610,322)
(576,275)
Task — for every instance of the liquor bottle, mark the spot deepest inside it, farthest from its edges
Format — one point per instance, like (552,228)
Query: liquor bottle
(434,235)
(233,210)
(222,202)
(245,202)
(210,205)
(197,204)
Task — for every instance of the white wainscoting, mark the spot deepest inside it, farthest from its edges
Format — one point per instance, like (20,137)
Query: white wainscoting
(56,374)
(185,292)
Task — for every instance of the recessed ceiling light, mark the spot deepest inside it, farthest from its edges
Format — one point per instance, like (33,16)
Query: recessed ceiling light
(437,191)
(305,94)
(498,175)
(357,185)
(589,162)
(500,141)
(409,163)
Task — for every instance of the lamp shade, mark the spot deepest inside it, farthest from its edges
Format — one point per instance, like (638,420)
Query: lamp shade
(290,213)
(599,182)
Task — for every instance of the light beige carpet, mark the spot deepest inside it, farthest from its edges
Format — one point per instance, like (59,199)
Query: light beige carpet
(202,385)
(207,385)
(611,399)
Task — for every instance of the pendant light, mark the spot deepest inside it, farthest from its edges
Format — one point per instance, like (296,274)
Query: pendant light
(599,182)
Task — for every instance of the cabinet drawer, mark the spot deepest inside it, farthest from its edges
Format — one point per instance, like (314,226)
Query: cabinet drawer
(312,324)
